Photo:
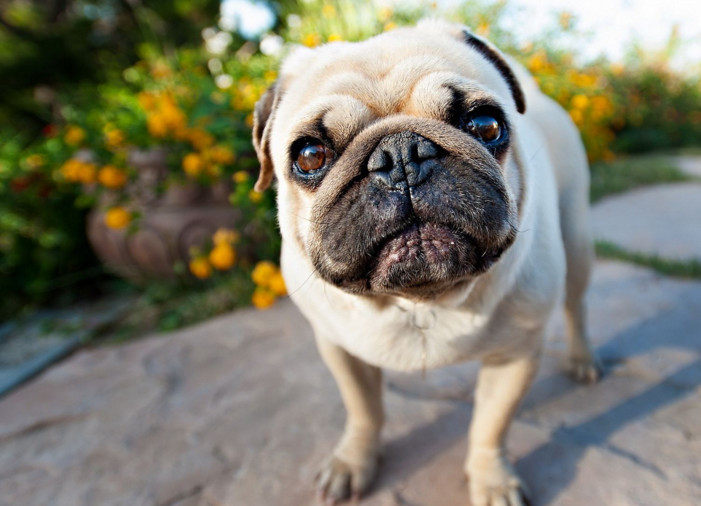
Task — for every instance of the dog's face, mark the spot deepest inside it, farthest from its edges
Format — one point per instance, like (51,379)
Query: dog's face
(393,157)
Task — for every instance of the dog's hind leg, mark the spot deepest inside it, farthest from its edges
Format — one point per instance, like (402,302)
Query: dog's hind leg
(576,235)
(353,465)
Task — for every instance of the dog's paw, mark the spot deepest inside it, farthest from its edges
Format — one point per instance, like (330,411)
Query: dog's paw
(339,480)
(586,370)
(493,482)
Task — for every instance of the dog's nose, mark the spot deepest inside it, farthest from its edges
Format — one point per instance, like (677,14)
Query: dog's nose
(402,160)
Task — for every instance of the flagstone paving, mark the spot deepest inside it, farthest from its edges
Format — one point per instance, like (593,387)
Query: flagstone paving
(240,410)
(662,220)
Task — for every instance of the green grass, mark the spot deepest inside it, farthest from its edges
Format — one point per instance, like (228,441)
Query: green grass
(675,268)
(608,178)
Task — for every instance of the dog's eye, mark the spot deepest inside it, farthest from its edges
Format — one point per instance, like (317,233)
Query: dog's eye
(313,157)
(484,128)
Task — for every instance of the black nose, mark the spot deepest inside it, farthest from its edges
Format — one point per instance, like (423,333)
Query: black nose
(402,160)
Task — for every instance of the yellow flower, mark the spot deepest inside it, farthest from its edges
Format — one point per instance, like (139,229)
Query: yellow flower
(35,161)
(482,29)
(262,298)
(200,268)
(255,196)
(225,236)
(193,164)
(200,139)
(87,172)
(147,101)
(240,176)
(70,170)
(156,125)
(580,101)
(263,273)
(576,116)
(74,135)
(565,20)
(328,11)
(335,37)
(270,76)
(117,217)
(277,284)
(160,70)
(114,138)
(384,14)
(112,177)
(537,62)
(390,26)
(222,154)
(249,120)
(311,39)
(223,256)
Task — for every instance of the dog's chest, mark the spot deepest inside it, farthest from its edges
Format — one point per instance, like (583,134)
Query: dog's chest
(409,337)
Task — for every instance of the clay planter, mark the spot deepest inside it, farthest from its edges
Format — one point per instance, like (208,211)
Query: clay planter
(184,215)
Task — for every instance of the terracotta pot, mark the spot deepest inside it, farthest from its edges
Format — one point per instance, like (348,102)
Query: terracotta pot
(171,223)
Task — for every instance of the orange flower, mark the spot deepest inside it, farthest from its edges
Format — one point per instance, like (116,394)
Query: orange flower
(114,138)
(311,39)
(240,176)
(222,257)
(156,125)
(222,154)
(200,139)
(226,236)
(277,284)
(117,217)
(111,177)
(255,196)
(193,164)
(262,298)
(200,268)
(35,161)
(74,135)
(263,273)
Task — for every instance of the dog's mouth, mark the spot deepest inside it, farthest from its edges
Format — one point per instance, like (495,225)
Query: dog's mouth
(427,258)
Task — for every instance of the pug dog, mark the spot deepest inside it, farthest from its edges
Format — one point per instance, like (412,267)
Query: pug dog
(433,206)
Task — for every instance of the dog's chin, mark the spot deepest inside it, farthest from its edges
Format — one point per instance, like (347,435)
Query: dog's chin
(422,262)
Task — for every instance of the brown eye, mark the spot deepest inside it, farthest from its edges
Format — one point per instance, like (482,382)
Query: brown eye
(485,128)
(313,157)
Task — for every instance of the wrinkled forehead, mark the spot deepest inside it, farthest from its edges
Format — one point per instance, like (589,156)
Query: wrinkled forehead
(343,86)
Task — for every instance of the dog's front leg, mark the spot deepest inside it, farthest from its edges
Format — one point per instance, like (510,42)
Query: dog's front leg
(353,464)
(500,387)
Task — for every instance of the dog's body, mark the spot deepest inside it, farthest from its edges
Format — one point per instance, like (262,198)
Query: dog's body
(416,244)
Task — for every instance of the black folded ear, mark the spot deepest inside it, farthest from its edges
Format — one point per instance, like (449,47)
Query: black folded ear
(263,115)
(495,58)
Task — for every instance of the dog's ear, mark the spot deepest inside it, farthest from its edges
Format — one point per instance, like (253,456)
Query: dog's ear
(263,115)
(496,58)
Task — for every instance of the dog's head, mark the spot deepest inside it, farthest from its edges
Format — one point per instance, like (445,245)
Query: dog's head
(392,157)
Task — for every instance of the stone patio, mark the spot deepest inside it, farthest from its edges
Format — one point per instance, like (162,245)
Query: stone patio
(240,411)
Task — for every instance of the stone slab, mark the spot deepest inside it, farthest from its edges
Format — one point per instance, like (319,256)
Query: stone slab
(240,410)
(662,220)
(688,164)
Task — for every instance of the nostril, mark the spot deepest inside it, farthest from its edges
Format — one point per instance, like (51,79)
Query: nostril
(378,161)
(425,149)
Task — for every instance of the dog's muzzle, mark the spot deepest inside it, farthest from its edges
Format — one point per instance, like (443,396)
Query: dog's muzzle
(402,160)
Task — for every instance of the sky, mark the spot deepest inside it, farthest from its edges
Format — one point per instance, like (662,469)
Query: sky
(611,24)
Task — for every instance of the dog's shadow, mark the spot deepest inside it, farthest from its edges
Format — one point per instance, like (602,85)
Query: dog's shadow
(552,466)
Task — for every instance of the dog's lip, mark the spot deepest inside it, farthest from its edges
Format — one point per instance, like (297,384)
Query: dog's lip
(432,240)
